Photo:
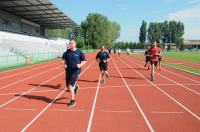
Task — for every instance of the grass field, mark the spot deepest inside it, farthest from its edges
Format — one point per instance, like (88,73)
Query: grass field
(195,57)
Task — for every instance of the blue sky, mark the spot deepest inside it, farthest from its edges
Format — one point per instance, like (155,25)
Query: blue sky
(130,13)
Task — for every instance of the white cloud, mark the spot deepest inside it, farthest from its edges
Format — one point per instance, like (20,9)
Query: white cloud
(121,7)
(191,19)
(189,13)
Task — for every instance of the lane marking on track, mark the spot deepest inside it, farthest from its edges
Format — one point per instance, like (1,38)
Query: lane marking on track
(117,111)
(27,66)
(172,98)
(174,72)
(93,106)
(27,78)
(135,100)
(30,90)
(158,112)
(20,109)
(26,71)
(64,110)
(175,82)
(93,88)
(45,109)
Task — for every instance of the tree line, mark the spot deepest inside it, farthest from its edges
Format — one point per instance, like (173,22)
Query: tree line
(162,32)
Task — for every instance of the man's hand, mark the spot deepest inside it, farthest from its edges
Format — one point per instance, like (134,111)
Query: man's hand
(79,65)
(65,66)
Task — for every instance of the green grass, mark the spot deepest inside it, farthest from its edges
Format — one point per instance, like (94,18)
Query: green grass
(194,57)
(197,71)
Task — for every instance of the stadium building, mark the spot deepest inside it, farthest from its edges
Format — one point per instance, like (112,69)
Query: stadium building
(22,31)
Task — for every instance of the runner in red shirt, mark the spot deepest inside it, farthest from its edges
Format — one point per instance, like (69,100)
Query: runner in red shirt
(154,53)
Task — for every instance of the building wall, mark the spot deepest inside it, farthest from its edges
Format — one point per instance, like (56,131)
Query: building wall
(12,23)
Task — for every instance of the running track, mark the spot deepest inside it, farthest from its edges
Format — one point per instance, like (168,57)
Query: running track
(33,98)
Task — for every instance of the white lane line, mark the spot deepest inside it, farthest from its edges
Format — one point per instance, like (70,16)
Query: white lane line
(135,100)
(30,90)
(27,78)
(93,106)
(181,75)
(64,110)
(26,66)
(166,112)
(104,87)
(117,111)
(175,73)
(26,71)
(177,102)
(175,82)
(41,112)
(178,84)
(39,91)
(20,109)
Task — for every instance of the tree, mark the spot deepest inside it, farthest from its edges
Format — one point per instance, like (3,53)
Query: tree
(143,32)
(97,30)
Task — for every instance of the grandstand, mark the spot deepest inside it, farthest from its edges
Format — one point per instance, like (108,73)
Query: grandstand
(22,30)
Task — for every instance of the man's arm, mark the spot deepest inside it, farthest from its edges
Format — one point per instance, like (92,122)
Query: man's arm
(83,60)
(81,64)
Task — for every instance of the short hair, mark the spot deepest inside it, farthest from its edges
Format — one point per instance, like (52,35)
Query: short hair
(72,39)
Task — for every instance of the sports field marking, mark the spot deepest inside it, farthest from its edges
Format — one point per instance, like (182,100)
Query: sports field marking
(181,76)
(166,112)
(117,111)
(29,90)
(177,102)
(93,106)
(17,109)
(175,82)
(45,109)
(136,102)
(26,71)
(178,84)
(175,73)
(25,67)
(64,110)
(27,78)
(93,88)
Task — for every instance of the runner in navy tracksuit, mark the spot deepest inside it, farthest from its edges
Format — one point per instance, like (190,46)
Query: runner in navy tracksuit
(74,60)
(103,57)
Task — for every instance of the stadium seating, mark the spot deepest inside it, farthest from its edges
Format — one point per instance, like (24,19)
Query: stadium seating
(15,47)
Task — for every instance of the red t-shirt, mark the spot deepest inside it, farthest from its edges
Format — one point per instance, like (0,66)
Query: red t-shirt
(154,52)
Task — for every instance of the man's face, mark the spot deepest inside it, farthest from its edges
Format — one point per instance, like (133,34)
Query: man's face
(154,44)
(72,44)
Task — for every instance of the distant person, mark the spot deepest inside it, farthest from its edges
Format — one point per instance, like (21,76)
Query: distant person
(114,50)
(159,59)
(74,60)
(109,51)
(119,52)
(154,52)
(147,60)
(103,57)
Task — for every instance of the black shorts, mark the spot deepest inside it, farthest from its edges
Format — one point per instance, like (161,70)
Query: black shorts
(159,58)
(72,76)
(103,66)
(154,62)
(147,59)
